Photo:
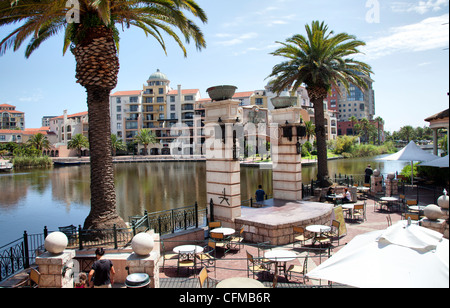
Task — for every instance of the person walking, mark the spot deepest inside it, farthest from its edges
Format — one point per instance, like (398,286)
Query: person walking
(102,272)
(259,194)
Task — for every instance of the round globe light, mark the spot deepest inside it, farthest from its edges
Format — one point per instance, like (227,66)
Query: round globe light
(142,244)
(433,212)
(56,242)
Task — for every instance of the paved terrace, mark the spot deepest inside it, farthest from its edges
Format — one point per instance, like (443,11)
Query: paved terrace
(234,263)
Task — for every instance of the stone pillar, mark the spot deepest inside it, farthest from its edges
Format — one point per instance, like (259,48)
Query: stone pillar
(376,184)
(223,173)
(391,187)
(287,162)
(56,269)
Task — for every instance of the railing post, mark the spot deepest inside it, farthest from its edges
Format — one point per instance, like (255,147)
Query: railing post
(80,237)
(251,202)
(45,232)
(25,251)
(185,220)
(173,221)
(115,236)
(159,224)
(148,220)
(196,214)
(133,226)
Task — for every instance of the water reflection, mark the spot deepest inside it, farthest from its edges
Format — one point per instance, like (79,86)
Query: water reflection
(61,196)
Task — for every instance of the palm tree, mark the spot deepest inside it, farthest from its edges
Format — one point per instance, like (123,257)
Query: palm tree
(379,121)
(319,60)
(145,137)
(93,39)
(310,128)
(117,144)
(78,142)
(353,120)
(39,142)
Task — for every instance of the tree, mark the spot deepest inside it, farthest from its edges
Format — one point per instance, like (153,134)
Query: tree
(319,60)
(353,120)
(145,137)
(364,126)
(407,133)
(39,142)
(310,128)
(78,142)
(91,33)
(117,144)
(379,121)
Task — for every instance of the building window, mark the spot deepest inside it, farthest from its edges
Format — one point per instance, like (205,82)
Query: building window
(161,90)
(258,101)
(149,100)
(172,107)
(189,98)
(172,99)
(119,108)
(160,99)
(119,126)
(133,99)
(119,117)
(118,100)
(2,137)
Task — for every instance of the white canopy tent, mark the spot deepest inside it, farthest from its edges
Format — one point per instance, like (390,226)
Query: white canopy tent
(411,153)
(402,256)
(438,163)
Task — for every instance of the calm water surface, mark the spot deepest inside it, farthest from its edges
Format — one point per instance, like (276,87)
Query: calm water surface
(33,199)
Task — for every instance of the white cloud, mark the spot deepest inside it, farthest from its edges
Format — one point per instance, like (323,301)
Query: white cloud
(420,7)
(239,39)
(32,98)
(428,34)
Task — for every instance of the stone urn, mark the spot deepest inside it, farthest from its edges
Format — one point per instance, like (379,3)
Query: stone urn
(391,176)
(443,202)
(56,242)
(433,212)
(280,102)
(376,172)
(142,244)
(221,93)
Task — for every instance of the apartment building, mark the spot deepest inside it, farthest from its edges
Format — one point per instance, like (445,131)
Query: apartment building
(10,118)
(66,126)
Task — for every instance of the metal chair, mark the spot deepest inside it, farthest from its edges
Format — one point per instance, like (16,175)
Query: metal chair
(32,281)
(237,239)
(208,256)
(300,236)
(167,255)
(221,241)
(255,266)
(301,269)
(186,260)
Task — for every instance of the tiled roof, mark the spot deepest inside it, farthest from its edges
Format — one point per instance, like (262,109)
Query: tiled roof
(79,114)
(243,94)
(127,93)
(187,91)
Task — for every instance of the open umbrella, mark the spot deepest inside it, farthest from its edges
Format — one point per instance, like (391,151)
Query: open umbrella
(411,153)
(402,256)
(439,163)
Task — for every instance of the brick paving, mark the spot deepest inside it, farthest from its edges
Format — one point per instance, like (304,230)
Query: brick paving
(234,262)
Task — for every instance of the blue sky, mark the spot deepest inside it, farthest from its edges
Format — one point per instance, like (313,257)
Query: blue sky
(406,42)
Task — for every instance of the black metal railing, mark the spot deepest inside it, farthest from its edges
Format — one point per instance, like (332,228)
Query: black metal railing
(170,221)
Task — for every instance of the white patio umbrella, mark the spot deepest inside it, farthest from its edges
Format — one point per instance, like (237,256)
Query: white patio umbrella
(439,163)
(401,256)
(411,153)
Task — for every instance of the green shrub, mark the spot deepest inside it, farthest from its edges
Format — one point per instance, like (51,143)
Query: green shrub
(32,162)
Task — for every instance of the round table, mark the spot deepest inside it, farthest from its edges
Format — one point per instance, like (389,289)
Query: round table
(280,255)
(188,249)
(239,283)
(318,228)
(363,189)
(389,201)
(350,207)
(224,231)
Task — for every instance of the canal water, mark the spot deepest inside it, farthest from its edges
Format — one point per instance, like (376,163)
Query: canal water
(30,200)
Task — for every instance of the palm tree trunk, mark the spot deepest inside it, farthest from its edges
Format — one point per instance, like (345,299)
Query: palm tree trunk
(97,70)
(103,213)
(317,96)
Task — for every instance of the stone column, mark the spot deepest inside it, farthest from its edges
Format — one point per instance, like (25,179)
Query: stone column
(287,162)
(56,269)
(223,184)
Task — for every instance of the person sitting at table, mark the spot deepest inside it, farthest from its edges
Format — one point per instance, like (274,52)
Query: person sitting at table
(330,192)
(347,196)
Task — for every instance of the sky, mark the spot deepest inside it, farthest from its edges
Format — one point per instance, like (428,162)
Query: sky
(406,45)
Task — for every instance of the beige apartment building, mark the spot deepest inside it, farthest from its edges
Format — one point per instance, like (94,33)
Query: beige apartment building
(10,118)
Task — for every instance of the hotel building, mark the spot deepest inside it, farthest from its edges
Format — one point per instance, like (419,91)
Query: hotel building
(10,118)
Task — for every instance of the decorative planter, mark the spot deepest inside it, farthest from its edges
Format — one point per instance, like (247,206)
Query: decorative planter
(391,176)
(433,212)
(280,102)
(221,93)
(56,242)
(376,172)
(443,202)
(142,244)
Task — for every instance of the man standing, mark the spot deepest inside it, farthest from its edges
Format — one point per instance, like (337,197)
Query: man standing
(368,173)
(259,194)
(102,271)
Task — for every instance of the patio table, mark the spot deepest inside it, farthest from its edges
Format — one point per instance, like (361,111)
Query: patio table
(389,201)
(239,282)
(280,256)
(350,207)
(188,249)
(225,231)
